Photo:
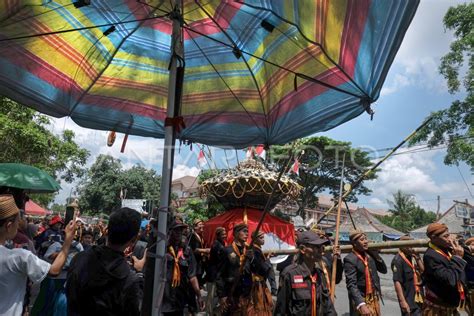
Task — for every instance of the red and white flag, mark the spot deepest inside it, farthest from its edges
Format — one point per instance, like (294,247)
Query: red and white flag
(296,167)
(260,150)
(201,159)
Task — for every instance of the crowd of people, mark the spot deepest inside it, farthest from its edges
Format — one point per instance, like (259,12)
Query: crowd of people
(57,268)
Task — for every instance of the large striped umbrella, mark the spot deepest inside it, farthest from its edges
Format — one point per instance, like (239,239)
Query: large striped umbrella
(257,71)
(229,73)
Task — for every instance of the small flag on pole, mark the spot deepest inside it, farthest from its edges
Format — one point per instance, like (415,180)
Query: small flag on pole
(249,153)
(260,150)
(201,159)
(296,167)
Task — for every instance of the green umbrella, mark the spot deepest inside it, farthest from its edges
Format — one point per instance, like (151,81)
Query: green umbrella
(29,178)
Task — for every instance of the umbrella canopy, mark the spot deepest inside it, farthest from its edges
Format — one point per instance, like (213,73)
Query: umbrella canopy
(29,178)
(31,208)
(257,71)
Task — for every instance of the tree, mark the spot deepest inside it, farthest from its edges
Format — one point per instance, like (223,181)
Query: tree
(100,190)
(58,208)
(454,126)
(214,207)
(106,179)
(141,183)
(194,209)
(406,215)
(320,168)
(25,137)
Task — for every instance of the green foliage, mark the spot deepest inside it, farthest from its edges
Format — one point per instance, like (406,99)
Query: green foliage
(197,208)
(141,183)
(213,206)
(406,215)
(58,208)
(100,190)
(454,126)
(320,168)
(25,137)
(207,174)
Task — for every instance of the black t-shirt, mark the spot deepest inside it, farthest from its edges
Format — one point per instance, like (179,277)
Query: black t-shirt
(403,273)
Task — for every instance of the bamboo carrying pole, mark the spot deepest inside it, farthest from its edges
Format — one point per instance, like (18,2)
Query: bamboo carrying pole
(385,247)
(389,251)
(338,222)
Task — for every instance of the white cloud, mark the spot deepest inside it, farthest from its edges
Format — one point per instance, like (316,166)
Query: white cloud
(399,81)
(147,152)
(413,173)
(182,170)
(418,58)
(138,150)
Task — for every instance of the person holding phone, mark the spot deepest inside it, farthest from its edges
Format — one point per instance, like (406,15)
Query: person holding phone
(100,280)
(444,275)
(18,265)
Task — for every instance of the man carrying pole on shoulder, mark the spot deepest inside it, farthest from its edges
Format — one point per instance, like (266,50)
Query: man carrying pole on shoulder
(444,274)
(407,268)
(362,279)
(230,285)
(305,284)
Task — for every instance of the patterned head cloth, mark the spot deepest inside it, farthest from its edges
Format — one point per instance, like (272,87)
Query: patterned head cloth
(197,221)
(220,231)
(435,229)
(469,241)
(260,233)
(239,227)
(8,207)
(355,234)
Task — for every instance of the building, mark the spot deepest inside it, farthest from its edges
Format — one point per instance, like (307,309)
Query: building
(184,188)
(459,218)
(365,220)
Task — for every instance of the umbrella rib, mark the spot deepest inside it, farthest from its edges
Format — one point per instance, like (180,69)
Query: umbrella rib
(81,28)
(296,43)
(310,41)
(303,76)
(108,63)
(225,82)
(34,16)
(246,64)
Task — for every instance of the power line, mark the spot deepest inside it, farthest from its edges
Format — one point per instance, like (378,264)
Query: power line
(426,144)
(464,180)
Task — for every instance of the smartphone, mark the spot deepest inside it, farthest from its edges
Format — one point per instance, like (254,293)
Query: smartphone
(69,214)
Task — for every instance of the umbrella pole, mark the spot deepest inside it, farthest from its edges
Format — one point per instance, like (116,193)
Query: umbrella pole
(336,240)
(168,159)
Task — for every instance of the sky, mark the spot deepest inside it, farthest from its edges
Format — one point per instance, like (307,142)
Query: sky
(413,89)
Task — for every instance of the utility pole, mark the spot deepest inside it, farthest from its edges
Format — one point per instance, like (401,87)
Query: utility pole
(439,208)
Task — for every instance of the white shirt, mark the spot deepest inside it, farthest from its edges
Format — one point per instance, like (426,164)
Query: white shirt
(16,265)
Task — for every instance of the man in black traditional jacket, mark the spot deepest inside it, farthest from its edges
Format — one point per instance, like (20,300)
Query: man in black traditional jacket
(362,279)
(305,284)
(196,243)
(216,260)
(182,285)
(444,274)
(258,268)
(407,268)
(230,282)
